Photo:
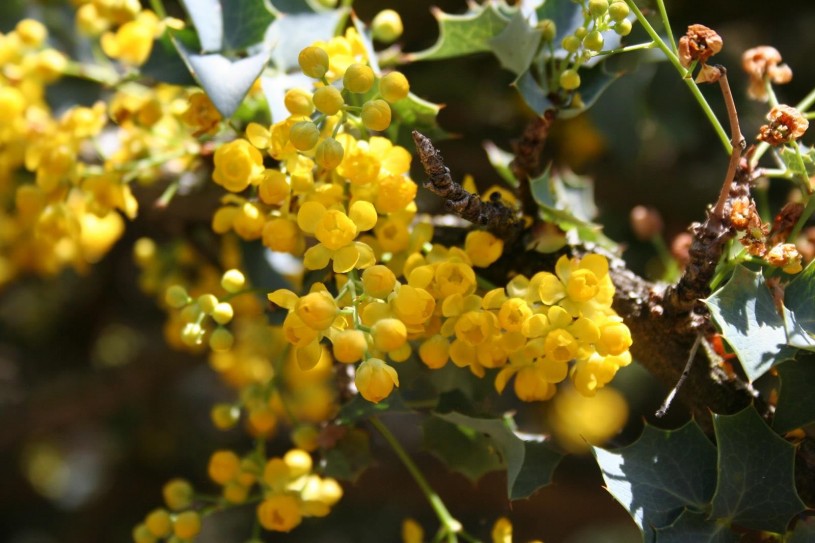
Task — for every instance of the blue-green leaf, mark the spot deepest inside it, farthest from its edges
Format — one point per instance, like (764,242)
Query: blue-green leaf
(744,311)
(208,20)
(465,34)
(225,81)
(291,32)
(245,23)
(796,401)
(799,311)
(567,199)
(660,475)
(568,17)
(501,160)
(516,45)
(530,465)
(696,527)
(756,485)
(413,113)
(461,448)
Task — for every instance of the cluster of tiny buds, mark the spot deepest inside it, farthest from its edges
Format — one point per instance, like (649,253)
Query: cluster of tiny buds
(195,310)
(587,40)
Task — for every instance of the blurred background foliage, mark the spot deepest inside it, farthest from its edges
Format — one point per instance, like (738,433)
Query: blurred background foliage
(96,412)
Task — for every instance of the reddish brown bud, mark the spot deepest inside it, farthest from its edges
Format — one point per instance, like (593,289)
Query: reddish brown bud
(680,248)
(699,43)
(786,124)
(646,222)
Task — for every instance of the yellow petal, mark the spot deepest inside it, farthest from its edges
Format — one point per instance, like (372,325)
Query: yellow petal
(308,356)
(550,289)
(597,264)
(309,216)
(283,297)
(317,257)
(345,258)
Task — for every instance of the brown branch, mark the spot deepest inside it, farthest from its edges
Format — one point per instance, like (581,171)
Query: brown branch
(494,216)
(527,164)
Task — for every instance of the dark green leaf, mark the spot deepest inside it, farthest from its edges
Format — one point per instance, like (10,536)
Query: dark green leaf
(660,474)
(245,23)
(413,113)
(756,487)
(799,311)
(349,457)
(225,81)
(696,527)
(568,200)
(165,64)
(291,6)
(466,34)
(463,449)
(744,311)
(501,160)
(568,17)
(360,409)
(528,467)
(208,20)
(804,531)
(516,45)
(803,165)
(796,401)
(291,32)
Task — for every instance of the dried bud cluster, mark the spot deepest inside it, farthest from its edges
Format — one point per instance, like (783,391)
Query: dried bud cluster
(786,124)
(698,44)
(745,219)
(762,63)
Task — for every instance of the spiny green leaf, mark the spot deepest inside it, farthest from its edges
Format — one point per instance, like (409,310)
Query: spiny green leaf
(413,113)
(501,160)
(208,21)
(744,311)
(349,457)
(696,527)
(245,23)
(225,81)
(530,465)
(463,449)
(756,486)
(796,402)
(292,6)
(805,165)
(291,32)
(516,45)
(466,34)
(660,474)
(799,311)
(568,17)
(568,200)
(165,64)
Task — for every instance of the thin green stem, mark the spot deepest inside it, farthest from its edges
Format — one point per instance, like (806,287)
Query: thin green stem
(802,220)
(449,524)
(628,48)
(663,13)
(806,189)
(107,77)
(729,266)
(686,76)
(168,195)
(158,8)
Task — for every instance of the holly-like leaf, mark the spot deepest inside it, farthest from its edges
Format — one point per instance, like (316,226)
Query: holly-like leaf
(501,160)
(796,402)
(291,32)
(756,486)
(660,475)
(465,34)
(567,200)
(803,165)
(412,113)
(245,23)
(207,18)
(799,311)
(462,448)
(744,311)
(696,527)
(530,465)
(360,409)
(516,45)
(349,456)
(225,81)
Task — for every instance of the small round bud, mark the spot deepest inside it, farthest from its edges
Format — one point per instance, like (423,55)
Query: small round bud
(191,334)
(224,416)
(142,534)
(313,61)
(177,494)
(144,250)
(389,334)
(221,340)
(623,28)
(580,32)
(223,313)
(569,79)
(159,523)
(304,135)
(570,43)
(187,525)
(329,154)
(593,41)
(548,29)
(358,78)
(618,11)
(305,436)
(393,87)
(207,303)
(298,102)
(387,26)
(233,280)
(177,297)
(376,115)
(378,281)
(646,222)
(31,32)
(328,100)
(598,7)
(349,346)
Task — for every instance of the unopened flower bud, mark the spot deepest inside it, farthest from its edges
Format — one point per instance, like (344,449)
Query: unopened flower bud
(646,222)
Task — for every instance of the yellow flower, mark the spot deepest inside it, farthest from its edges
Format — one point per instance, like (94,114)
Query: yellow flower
(237,164)
(483,248)
(133,41)
(375,379)
(280,513)
(579,286)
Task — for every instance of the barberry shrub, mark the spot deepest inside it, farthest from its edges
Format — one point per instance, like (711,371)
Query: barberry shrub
(334,300)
